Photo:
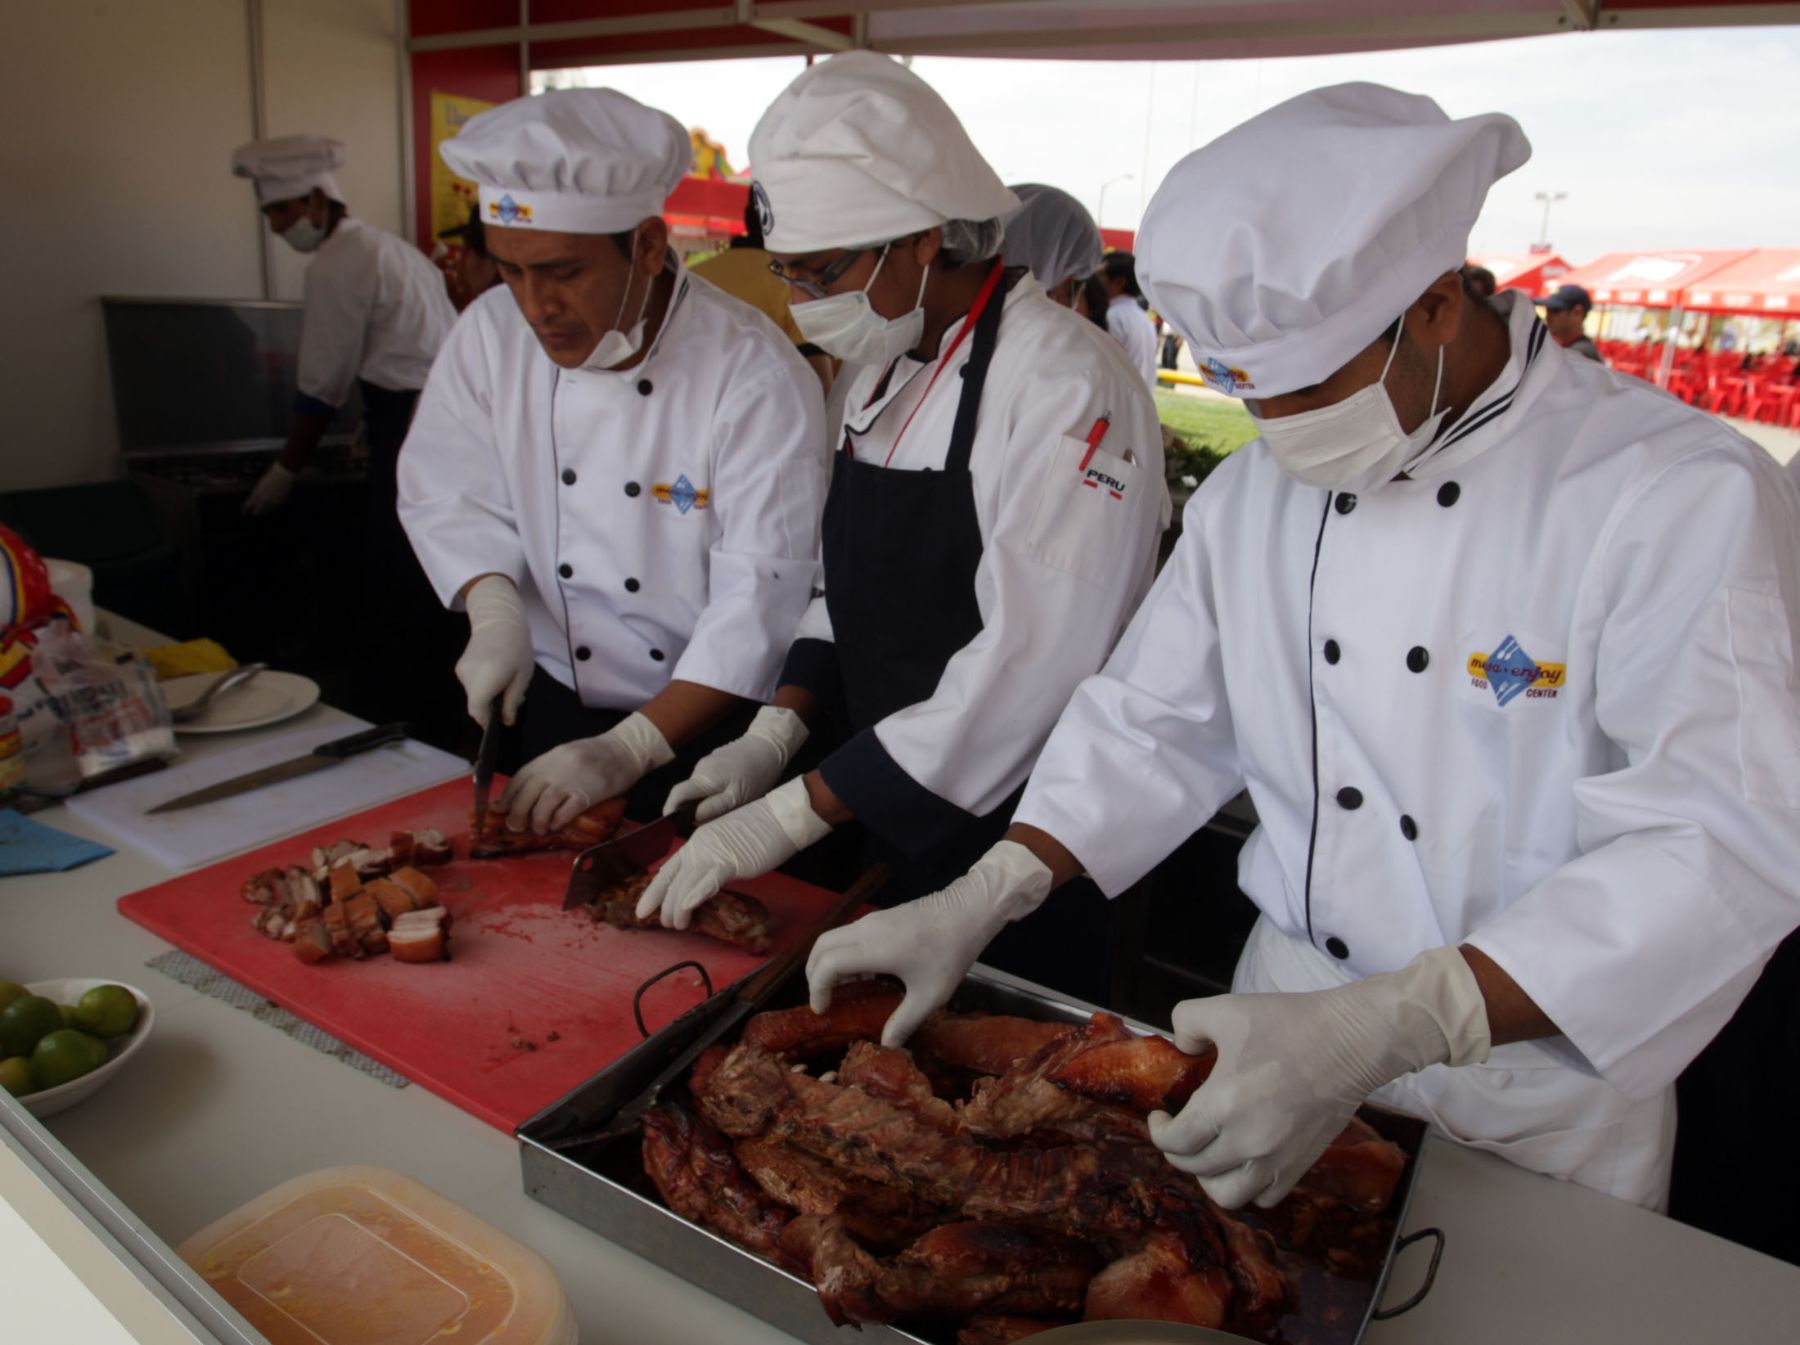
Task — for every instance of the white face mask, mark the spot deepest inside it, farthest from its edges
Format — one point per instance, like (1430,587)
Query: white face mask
(303,235)
(846,326)
(1355,445)
(618,346)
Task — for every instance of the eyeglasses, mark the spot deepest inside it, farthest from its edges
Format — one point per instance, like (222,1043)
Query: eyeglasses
(821,281)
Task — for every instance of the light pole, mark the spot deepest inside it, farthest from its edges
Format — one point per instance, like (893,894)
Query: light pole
(1100,211)
(1549,198)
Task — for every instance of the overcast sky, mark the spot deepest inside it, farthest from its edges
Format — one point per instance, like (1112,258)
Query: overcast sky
(1661,139)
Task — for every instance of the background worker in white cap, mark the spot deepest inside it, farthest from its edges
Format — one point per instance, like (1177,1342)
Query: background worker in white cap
(615,467)
(994,511)
(376,314)
(1052,234)
(1502,646)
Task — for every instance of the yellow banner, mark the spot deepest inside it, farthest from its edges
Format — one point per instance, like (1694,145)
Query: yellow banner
(451,196)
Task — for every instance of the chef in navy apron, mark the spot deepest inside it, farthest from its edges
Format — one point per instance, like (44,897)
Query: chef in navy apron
(992,521)
(1501,644)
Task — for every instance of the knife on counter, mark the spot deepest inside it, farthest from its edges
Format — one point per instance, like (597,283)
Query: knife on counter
(321,757)
(485,757)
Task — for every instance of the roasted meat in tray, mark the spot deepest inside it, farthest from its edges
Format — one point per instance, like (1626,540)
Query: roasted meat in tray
(996,1179)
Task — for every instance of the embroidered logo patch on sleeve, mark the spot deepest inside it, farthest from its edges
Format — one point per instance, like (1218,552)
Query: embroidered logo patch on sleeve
(1510,671)
(684,495)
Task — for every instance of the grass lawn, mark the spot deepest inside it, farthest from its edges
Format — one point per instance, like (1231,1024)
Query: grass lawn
(1204,423)
(1209,429)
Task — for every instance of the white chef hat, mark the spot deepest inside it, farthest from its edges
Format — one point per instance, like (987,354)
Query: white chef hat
(290,166)
(1053,234)
(582,161)
(859,149)
(1291,242)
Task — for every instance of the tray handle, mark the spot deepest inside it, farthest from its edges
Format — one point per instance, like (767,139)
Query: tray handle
(1431,1270)
(637,997)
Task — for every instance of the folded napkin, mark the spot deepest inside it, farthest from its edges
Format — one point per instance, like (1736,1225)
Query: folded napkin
(32,847)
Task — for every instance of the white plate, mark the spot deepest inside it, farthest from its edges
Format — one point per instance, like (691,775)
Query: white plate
(119,1049)
(268,698)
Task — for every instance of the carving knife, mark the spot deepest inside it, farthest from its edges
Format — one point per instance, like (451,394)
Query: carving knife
(485,756)
(321,757)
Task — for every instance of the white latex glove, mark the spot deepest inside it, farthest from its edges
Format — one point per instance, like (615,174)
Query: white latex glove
(743,769)
(498,660)
(556,788)
(1293,1067)
(756,838)
(270,491)
(930,943)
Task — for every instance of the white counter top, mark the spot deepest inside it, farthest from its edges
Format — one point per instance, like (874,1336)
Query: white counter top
(219,1107)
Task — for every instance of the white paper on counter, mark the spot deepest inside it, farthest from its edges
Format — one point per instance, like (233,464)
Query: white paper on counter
(194,836)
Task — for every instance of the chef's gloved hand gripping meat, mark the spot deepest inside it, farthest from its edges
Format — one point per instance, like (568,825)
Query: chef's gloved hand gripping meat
(1293,1068)
(931,943)
(556,788)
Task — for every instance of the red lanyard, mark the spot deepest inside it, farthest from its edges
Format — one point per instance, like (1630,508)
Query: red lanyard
(981,303)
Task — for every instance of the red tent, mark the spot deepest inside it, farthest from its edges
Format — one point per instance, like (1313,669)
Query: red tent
(1647,279)
(1764,284)
(707,207)
(1535,273)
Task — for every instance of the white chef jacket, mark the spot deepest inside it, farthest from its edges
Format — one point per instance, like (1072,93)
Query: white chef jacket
(1539,699)
(1062,567)
(1132,328)
(661,522)
(376,309)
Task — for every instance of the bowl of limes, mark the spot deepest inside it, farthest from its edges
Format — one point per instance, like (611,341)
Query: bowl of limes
(60,1041)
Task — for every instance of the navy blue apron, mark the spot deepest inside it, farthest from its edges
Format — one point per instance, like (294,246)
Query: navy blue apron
(900,552)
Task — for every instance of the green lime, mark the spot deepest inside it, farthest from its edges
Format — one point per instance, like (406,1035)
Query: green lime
(11,990)
(15,1076)
(68,1013)
(106,1011)
(64,1055)
(24,1021)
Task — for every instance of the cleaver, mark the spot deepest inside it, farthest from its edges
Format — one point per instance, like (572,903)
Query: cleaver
(623,858)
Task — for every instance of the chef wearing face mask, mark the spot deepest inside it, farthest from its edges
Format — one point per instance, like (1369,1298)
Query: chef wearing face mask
(1502,646)
(1052,234)
(376,311)
(994,510)
(614,469)
(376,314)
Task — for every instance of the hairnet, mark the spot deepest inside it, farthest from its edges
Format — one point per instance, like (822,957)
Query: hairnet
(968,240)
(1053,234)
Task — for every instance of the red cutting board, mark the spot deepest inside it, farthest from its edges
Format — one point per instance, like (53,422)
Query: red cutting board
(520,968)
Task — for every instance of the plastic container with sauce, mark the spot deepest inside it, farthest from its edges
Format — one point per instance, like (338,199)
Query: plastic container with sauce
(367,1256)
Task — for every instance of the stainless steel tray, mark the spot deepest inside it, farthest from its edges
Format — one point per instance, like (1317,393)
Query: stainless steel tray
(603,1187)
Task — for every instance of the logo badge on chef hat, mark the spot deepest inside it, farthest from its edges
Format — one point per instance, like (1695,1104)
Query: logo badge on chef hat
(509,211)
(1223,377)
(765,213)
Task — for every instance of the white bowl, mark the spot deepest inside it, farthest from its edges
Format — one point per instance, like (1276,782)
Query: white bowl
(49,1101)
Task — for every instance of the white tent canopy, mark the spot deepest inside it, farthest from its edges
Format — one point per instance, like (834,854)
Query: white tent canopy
(658,30)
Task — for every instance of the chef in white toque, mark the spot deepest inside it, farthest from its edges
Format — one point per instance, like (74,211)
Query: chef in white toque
(1502,645)
(995,506)
(614,469)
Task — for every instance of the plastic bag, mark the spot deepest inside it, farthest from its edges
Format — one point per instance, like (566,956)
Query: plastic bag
(108,707)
